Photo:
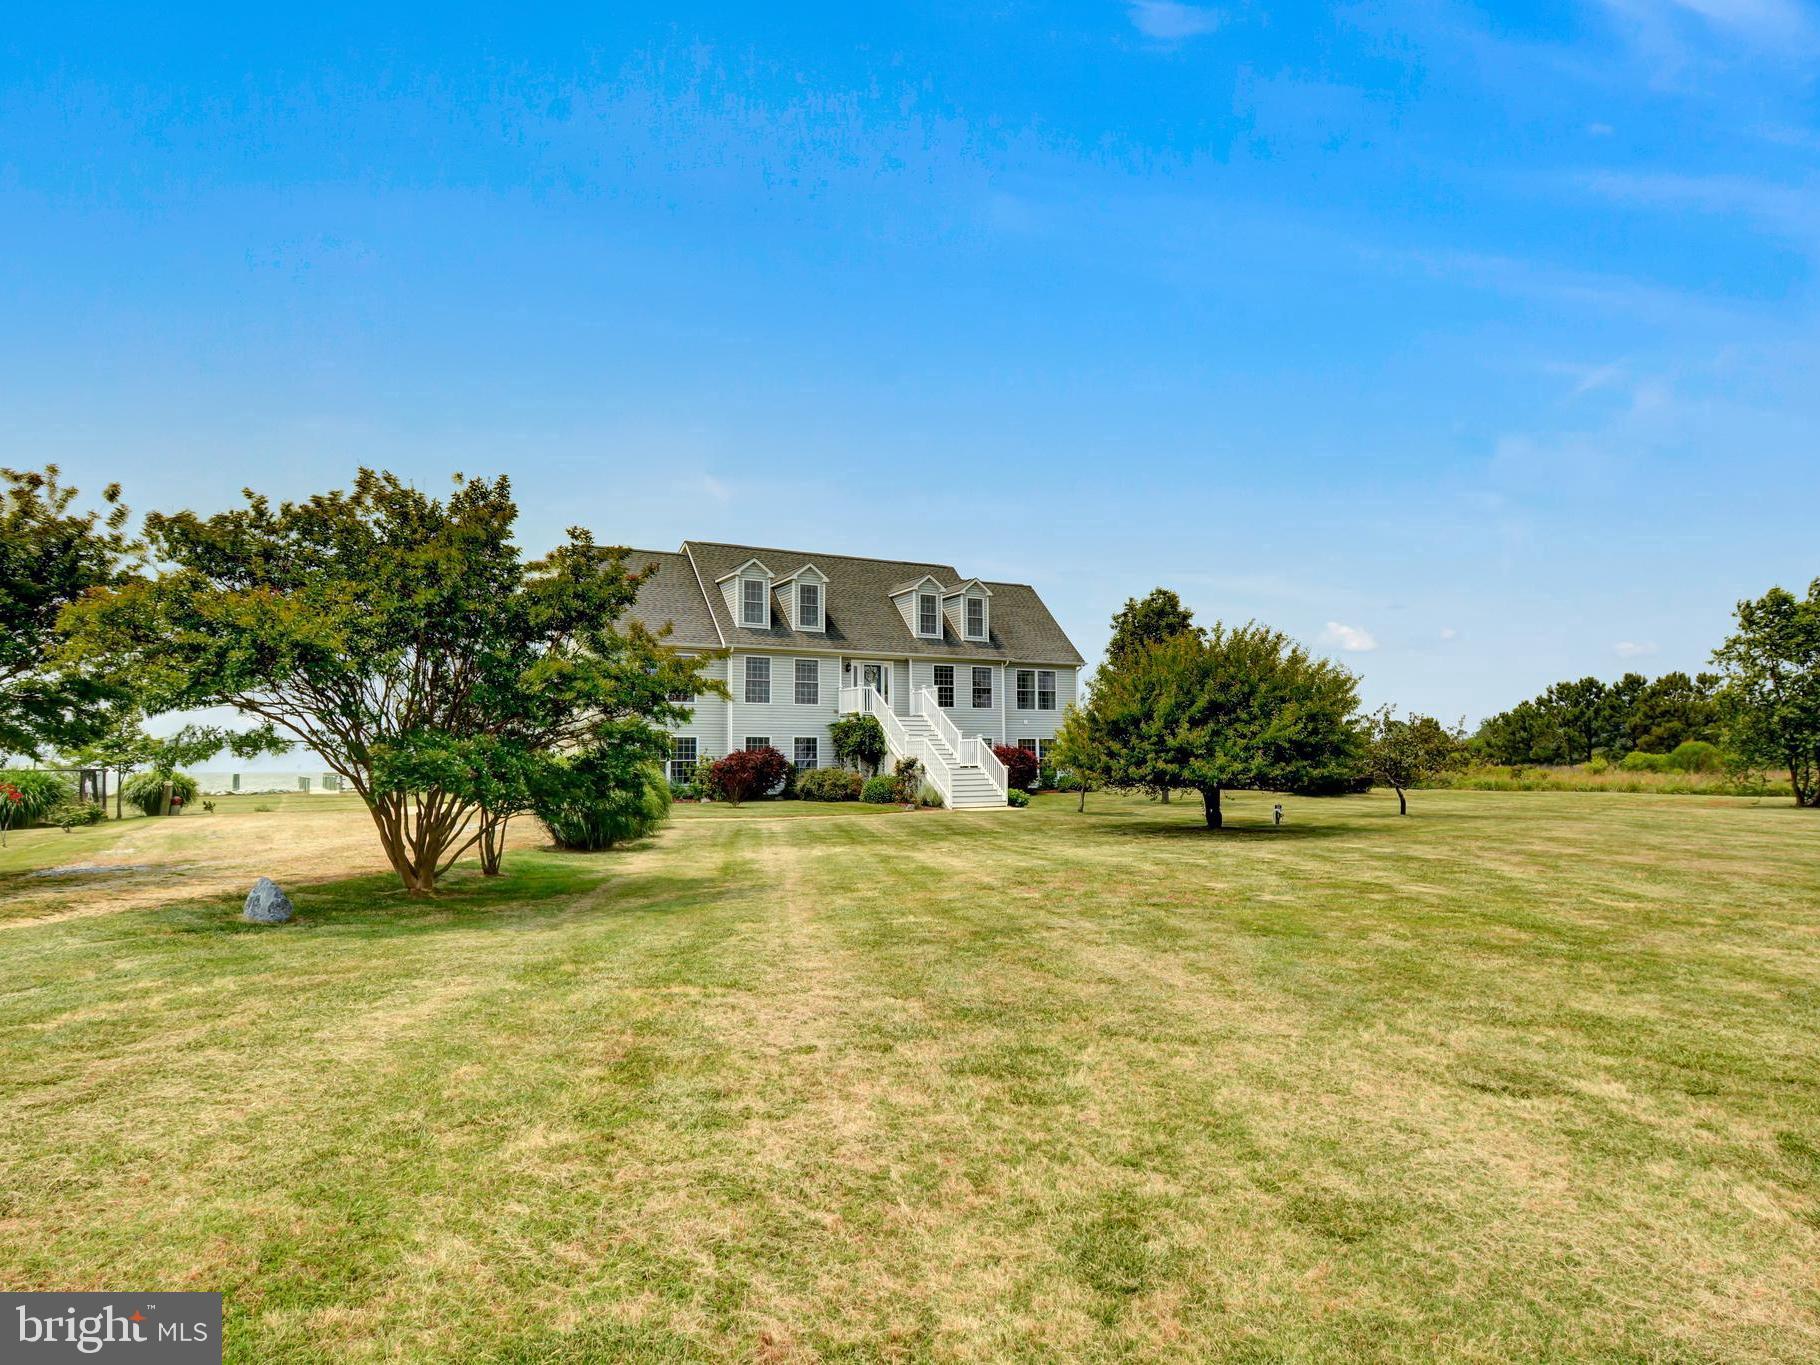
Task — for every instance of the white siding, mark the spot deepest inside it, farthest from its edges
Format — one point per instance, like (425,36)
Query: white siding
(1037,724)
(969,721)
(709,723)
(782,720)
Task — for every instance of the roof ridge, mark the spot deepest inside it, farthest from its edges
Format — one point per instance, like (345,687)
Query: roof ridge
(825,554)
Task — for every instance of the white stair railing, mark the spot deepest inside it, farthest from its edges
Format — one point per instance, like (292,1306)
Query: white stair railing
(968,753)
(869,701)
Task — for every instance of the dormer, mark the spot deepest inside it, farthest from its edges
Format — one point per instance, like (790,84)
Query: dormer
(920,602)
(747,591)
(969,611)
(804,599)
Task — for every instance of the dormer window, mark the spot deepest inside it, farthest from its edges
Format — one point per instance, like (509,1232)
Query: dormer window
(928,615)
(754,606)
(975,608)
(808,606)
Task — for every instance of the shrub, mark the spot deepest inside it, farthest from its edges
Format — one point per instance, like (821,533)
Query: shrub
(1046,777)
(880,790)
(1017,797)
(1696,756)
(1640,762)
(829,784)
(907,779)
(684,791)
(72,814)
(145,791)
(927,795)
(40,793)
(747,774)
(858,739)
(595,800)
(1020,765)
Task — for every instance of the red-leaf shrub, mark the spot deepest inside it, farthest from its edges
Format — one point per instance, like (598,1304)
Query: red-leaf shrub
(747,773)
(1020,765)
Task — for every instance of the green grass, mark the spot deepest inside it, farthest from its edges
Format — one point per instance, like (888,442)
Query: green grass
(1520,1077)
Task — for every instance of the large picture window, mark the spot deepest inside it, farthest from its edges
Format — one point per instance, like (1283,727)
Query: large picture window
(944,685)
(808,682)
(752,608)
(758,678)
(982,689)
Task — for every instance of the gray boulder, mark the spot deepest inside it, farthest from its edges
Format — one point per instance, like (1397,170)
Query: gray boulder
(266,904)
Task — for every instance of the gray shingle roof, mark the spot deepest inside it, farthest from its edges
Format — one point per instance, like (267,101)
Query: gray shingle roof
(861,617)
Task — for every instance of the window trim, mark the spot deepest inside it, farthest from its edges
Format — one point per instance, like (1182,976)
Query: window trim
(935,681)
(934,602)
(747,581)
(821,611)
(764,742)
(751,700)
(978,669)
(797,682)
(1050,673)
(796,743)
(968,603)
(694,743)
(1024,690)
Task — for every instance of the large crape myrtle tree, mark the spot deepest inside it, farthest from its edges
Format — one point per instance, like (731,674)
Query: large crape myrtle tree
(403,638)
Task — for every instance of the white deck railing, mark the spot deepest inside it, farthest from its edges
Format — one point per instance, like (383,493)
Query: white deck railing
(968,753)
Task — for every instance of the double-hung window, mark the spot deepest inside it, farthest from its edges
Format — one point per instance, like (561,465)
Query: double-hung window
(944,685)
(976,618)
(758,678)
(808,606)
(683,753)
(1045,689)
(928,615)
(1026,689)
(753,610)
(808,682)
(808,751)
(982,689)
(757,742)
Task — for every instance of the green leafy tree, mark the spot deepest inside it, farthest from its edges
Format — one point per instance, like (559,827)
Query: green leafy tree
(1770,692)
(1077,753)
(1243,709)
(1673,710)
(1139,624)
(859,740)
(401,637)
(51,554)
(1404,753)
(124,746)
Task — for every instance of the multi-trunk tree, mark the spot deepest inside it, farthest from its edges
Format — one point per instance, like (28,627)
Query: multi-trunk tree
(401,637)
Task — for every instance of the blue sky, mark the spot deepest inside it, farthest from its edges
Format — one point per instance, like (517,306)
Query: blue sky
(1473,344)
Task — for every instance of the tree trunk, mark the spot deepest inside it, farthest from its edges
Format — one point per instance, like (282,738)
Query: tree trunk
(1211,797)
(492,845)
(1402,802)
(1083,806)
(1164,797)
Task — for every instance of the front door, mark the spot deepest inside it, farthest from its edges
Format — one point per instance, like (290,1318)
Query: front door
(876,676)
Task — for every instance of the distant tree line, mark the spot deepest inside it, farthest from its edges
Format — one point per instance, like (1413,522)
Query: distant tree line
(1575,721)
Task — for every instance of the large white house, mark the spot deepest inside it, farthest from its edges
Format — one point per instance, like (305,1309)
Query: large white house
(950,666)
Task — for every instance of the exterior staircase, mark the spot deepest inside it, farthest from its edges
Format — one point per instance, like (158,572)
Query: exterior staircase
(965,771)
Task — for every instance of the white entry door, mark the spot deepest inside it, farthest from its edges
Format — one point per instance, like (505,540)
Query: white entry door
(878,676)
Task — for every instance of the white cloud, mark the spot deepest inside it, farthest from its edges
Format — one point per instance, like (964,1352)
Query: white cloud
(1448,632)
(1169,22)
(1633,649)
(1349,638)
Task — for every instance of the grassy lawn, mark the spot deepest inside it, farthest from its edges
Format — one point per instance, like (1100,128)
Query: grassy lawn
(1523,1076)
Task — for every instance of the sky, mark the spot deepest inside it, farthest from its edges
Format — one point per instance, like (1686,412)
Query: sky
(1475,346)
